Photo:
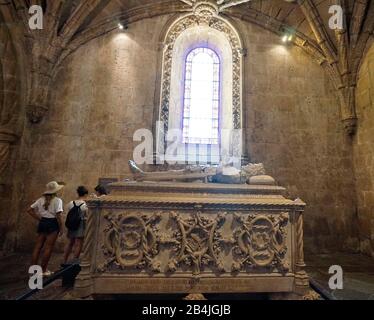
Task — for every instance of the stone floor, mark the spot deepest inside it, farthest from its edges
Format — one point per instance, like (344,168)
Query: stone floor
(358,274)
(14,279)
(358,278)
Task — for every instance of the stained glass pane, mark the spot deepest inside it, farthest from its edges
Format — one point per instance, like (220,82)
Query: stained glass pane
(201,97)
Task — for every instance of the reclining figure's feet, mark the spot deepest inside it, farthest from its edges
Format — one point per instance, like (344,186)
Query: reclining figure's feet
(137,172)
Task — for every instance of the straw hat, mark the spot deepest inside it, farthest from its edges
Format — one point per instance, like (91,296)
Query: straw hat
(53,187)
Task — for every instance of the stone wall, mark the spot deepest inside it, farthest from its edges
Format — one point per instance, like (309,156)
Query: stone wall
(364,153)
(102,94)
(10,128)
(106,90)
(293,127)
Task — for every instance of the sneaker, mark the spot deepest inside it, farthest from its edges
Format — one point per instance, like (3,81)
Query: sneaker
(47,273)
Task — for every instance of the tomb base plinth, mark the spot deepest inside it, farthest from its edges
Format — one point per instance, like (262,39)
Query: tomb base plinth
(193,238)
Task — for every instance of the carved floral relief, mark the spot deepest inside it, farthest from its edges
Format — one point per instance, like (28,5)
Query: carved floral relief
(181,242)
(198,242)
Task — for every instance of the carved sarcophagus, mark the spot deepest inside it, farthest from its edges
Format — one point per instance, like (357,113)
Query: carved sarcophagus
(192,238)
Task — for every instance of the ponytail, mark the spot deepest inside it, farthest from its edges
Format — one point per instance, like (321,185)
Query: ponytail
(47,200)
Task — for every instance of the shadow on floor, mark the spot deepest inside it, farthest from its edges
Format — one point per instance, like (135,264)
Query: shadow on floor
(358,279)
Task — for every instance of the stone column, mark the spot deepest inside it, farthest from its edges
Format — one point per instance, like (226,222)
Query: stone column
(84,283)
(41,75)
(7,137)
(347,98)
(301,277)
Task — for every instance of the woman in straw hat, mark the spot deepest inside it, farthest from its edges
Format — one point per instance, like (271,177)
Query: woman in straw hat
(47,210)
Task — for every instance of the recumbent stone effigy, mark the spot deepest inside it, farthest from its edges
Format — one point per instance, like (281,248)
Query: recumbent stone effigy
(185,231)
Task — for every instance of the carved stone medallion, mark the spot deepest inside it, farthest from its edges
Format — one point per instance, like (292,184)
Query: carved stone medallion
(261,242)
(130,241)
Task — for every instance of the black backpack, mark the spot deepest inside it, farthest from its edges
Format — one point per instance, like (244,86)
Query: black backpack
(74,217)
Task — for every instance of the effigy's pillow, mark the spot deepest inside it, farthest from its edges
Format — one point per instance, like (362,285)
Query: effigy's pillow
(261,180)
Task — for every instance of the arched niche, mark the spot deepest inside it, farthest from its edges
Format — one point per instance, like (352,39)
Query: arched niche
(202,28)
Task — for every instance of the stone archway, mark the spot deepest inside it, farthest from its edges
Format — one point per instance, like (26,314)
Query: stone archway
(204,24)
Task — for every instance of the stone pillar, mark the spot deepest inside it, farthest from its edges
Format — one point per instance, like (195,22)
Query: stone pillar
(348,107)
(84,283)
(38,95)
(301,277)
(7,137)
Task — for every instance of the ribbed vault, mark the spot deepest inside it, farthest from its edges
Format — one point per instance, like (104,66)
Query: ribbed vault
(71,23)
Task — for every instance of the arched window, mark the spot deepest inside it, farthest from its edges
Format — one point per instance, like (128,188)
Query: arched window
(200,112)
(201,97)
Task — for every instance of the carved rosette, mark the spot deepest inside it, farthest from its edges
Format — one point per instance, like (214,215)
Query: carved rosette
(350,125)
(131,241)
(197,241)
(36,113)
(260,242)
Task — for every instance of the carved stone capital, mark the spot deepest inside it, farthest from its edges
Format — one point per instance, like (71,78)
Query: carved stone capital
(350,125)
(205,8)
(35,113)
(217,5)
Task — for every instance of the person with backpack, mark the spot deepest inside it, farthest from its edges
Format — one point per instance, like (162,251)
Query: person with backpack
(47,211)
(76,224)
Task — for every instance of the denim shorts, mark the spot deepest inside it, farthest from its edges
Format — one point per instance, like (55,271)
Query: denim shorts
(48,226)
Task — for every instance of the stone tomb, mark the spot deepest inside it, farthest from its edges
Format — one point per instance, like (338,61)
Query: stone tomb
(175,237)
